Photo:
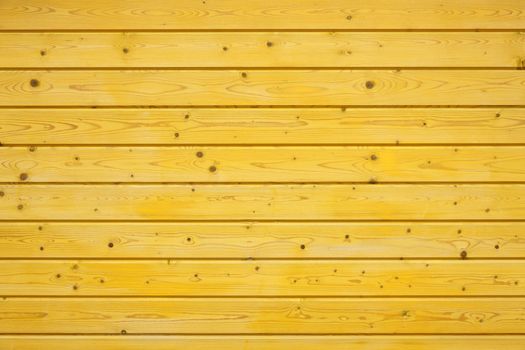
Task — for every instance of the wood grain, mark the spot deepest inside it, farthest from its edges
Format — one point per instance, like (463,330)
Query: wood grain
(262,278)
(262,315)
(261,342)
(262,164)
(262,240)
(262,49)
(262,87)
(261,14)
(262,126)
(262,202)
(259,175)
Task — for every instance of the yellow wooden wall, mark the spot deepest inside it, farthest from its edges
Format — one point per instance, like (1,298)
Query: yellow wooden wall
(262,174)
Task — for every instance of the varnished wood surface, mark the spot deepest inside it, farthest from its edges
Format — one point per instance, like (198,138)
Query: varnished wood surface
(261,342)
(263,164)
(262,174)
(262,278)
(262,49)
(262,315)
(262,126)
(247,240)
(260,14)
(262,87)
(262,202)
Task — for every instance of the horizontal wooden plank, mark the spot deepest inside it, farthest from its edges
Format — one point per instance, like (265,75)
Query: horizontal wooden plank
(262,240)
(260,14)
(261,278)
(262,315)
(273,202)
(261,342)
(262,126)
(263,49)
(262,164)
(262,87)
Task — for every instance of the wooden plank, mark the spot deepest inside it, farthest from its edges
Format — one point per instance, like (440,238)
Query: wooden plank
(261,342)
(260,14)
(273,202)
(262,315)
(262,164)
(262,126)
(262,87)
(262,240)
(261,278)
(262,49)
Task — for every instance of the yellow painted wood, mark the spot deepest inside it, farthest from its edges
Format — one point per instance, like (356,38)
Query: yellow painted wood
(263,49)
(262,278)
(262,240)
(263,315)
(261,342)
(262,126)
(268,202)
(262,164)
(261,14)
(262,87)
(373,200)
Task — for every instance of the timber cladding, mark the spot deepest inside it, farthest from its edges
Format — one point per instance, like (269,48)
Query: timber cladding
(262,174)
